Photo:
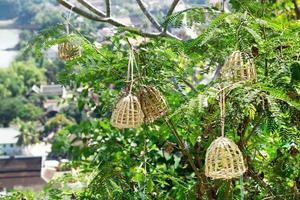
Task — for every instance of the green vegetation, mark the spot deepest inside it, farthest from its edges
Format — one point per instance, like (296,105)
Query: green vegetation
(262,117)
(31,12)
(15,82)
(29,133)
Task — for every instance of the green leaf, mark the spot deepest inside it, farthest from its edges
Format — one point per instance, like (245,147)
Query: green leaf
(208,33)
(281,95)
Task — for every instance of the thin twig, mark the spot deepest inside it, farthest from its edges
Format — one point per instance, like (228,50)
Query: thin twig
(260,181)
(80,11)
(170,12)
(188,155)
(254,128)
(251,171)
(107,3)
(172,8)
(190,85)
(296,9)
(183,148)
(92,8)
(149,15)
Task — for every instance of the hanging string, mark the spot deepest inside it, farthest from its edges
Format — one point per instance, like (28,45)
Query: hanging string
(68,19)
(242,187)
(134,61)
(145,167)
(138,69)
(128,67)
(222,108)
(130,70)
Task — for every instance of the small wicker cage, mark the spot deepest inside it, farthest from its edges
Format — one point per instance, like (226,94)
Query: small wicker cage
(69,50)
(153,103)
(224,160)
(235,70)
(127,113)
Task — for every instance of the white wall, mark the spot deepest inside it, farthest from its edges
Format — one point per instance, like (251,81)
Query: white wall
(10,149)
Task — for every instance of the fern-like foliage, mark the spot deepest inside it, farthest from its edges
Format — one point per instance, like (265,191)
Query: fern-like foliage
(45,39)
(107,184)
(280,95)
(208,33)
(189,16)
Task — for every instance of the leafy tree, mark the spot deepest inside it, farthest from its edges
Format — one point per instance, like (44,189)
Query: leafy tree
(56,123)
(11,84)
(15,82)
(28,195)
(29,133)
(166,159)
(33,13)
(19,78)
(61,145)
(28,73)
(17,107)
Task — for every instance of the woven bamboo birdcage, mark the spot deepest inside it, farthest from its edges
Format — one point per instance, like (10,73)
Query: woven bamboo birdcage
(153,103)
(249,72)
(224,160)
(69,50)
(235,69)
(127,113)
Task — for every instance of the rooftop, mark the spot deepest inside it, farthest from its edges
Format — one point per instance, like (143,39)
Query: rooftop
(8,135)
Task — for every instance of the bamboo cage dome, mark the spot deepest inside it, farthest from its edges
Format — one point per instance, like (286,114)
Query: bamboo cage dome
(237,69)
(153,103)
(224,160)
(69,50)
(127,113)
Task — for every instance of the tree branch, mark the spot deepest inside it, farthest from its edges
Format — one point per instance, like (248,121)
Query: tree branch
(172,8)
(256,178)
(183,148)
(297,9)
(189,85)
(170,12)
(107,3)
(200,187)
(258,122)
(251,172)
(114,22)
(80,11)
(148,15)
(92,8)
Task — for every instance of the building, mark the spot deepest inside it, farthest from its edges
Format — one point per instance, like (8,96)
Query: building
(22,166)
(52,105)
(21,172)
(53,90)
(8,142)
(48,90)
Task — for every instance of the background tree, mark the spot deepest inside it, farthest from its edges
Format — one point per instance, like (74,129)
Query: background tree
(18,107)
(29,133)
